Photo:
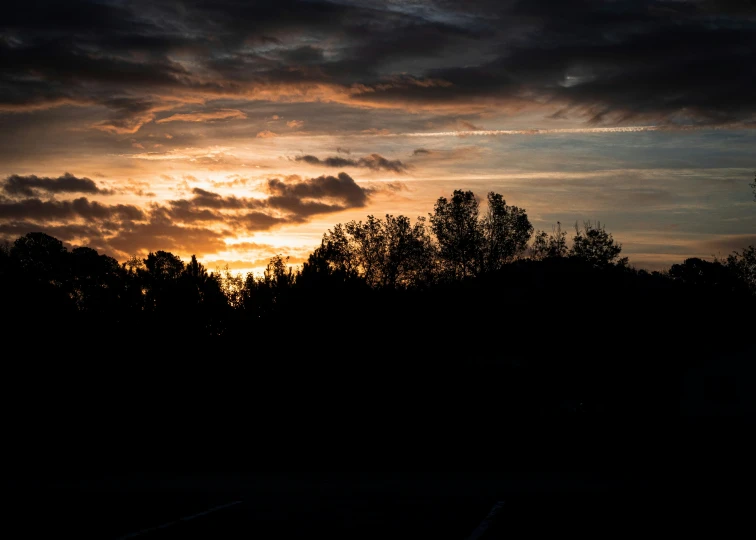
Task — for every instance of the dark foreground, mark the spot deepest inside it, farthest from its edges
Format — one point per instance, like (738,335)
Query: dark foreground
(376,505)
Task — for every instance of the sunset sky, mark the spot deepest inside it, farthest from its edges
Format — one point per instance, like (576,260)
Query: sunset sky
(238,130)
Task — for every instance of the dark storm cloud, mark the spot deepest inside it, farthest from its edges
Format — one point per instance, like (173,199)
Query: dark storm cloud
(375,162)
(30,185)
(303,55)
(682,60)
(610,61)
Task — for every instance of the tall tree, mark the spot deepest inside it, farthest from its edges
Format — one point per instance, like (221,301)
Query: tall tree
(367,243)
(409,253)
(160,278)
(336,250)
(506,232)
(458,234)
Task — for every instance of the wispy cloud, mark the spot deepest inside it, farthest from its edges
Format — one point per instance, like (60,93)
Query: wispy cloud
(209,116)
(374,162)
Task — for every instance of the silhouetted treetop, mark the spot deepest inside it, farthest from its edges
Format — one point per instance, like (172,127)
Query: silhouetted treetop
(458,234)
(743,265)
(552,245)
(593,244)
(506,232)
(40,256)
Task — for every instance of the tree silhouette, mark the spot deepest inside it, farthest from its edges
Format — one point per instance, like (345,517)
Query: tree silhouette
(506,232)
(97,281)
(458,233)
(709,276)
(390,252)
(409,256)
(5,258)
(596,246)
(206,290)
(163,266)
(41,257)
(40,286)
(383,253)
(160,280)
(336,249)
(743,265)
(547,246)
(367,244)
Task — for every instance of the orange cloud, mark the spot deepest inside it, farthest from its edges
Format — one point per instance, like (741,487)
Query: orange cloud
(220,114)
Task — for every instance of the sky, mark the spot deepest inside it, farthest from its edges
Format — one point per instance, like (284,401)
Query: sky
(236,131)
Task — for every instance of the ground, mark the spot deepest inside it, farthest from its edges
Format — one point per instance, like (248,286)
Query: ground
(361,506)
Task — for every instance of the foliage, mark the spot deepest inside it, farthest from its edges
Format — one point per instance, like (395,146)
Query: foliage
(596,246)
(547,246)
(506,232)
(458,235)
(743,265)
(384,253)
(41,257)
(705,275)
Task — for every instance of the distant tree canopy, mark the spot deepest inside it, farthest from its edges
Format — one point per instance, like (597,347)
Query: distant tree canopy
(457,243)
(388,252)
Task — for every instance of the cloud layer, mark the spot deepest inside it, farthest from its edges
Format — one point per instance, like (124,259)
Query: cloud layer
(608,62)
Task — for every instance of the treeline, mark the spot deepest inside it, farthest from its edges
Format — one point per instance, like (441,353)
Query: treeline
(457,247)
(476,309)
